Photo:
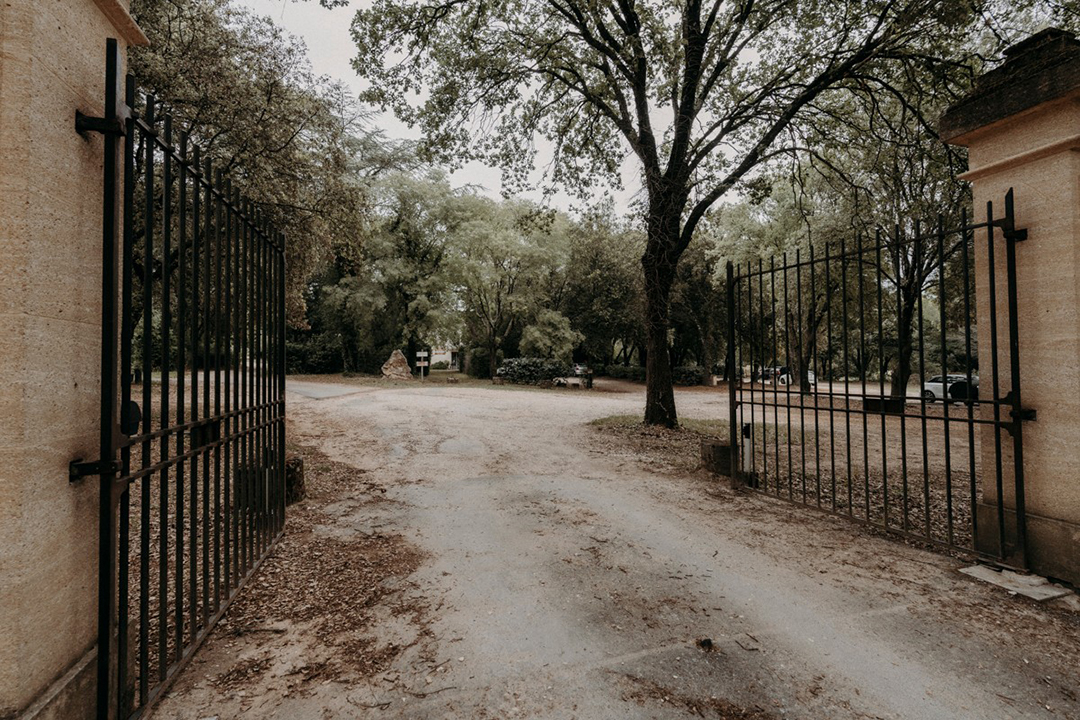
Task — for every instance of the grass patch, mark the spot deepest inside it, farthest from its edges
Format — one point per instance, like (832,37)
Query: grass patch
(717,428)
(680,449)
(676,450)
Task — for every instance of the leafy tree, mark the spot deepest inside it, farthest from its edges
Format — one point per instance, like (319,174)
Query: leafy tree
(604,298)
(509,256)
(242,89)
(698,309)
(701,92)
(408,253)
(550,336)
(396,291)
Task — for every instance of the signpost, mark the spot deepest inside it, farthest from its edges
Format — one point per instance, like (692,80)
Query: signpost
(421,362)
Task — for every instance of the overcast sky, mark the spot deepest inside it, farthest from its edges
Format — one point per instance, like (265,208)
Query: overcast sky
(330,49)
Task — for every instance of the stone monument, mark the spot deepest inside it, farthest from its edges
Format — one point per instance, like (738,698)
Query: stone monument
(397,367)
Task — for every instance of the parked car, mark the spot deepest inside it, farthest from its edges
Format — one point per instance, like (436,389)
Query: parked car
(784,376)
(583,371)
(953,388)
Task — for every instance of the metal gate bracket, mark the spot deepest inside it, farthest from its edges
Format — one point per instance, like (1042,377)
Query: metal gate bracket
(1027,414)
(1017,416)
(88,124)
(77,469)
(1023,414)
(1009,229)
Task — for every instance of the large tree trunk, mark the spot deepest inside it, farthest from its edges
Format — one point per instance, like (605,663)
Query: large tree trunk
(410,352)
(658,263)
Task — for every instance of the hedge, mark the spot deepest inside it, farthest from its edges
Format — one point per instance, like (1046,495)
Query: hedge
(478,365)
(688,375)
(636,373)
(532,371)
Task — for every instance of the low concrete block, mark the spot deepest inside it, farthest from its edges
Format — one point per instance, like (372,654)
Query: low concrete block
(1032,586)
(716,457)
(295,486)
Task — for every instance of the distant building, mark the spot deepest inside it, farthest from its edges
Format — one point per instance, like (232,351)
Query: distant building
(452,358)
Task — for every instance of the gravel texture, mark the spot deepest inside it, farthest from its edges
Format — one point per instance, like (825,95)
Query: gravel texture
(475,552)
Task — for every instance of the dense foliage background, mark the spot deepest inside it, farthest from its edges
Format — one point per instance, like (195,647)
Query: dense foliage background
(385,254)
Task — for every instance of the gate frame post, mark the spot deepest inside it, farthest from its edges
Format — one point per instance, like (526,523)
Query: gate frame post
(733,423)
(1020,127)
(112,128)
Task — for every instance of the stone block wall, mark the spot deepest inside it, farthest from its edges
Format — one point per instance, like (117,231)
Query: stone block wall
(52,62)
(1022,130)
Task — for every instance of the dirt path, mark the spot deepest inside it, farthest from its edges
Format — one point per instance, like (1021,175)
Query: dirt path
(562,577)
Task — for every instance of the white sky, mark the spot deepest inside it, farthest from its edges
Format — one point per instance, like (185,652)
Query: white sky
(330,49)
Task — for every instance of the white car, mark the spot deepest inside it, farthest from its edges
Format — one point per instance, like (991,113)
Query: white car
(784,377)
(944,387)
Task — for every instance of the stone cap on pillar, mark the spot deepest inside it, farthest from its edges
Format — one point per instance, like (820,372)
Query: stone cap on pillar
(1044,67)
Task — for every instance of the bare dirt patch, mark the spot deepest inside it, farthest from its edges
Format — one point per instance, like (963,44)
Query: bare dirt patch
(563,559)
(315,611)
(678,449)
(647,692)
(1043,634)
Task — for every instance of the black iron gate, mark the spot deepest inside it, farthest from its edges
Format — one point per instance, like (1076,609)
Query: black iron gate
(854,382)
(192,397)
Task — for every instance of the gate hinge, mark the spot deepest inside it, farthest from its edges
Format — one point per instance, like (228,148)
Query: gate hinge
(1016,416)
(1010,231)
(88,123)
(77,469)
(1023,414)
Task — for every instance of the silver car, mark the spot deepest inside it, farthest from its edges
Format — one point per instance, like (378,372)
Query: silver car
(950,387)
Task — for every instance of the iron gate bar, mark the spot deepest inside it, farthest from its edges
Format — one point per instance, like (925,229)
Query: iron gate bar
(166,322)
(817,373)
(881,380)
(922,259)
(107,465)
(968,290)
(126,334)
(898,270)
(1018,414)
(992,286)
(943,349)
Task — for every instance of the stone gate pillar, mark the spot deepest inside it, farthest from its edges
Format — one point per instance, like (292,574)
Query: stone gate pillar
(52,63)
(1021,126)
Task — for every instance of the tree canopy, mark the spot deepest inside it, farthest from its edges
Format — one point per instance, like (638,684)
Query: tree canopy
(296,144)
(701,92)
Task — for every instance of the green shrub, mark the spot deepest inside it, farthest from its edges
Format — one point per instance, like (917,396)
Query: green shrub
(315,355)
(532,371)
(688,375)
(440,365)
(295,354)
(478,365)
(634,373)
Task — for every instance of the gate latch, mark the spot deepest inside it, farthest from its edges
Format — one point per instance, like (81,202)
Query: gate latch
(77,469)
(1017,416)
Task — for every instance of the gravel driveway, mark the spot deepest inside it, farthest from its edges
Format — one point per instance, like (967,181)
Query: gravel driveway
(564,577)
